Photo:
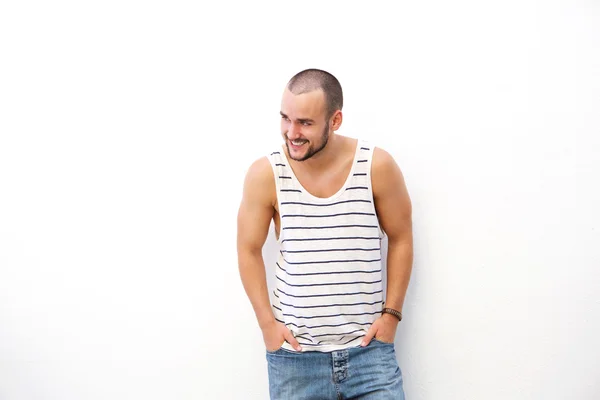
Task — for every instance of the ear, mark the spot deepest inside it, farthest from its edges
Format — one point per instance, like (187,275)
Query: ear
(336,120)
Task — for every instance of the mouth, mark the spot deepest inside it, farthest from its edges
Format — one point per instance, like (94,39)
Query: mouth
(297,144)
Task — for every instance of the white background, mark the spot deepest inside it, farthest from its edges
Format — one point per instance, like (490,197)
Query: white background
(126,129)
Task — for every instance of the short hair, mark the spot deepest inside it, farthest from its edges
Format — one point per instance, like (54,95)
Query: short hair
(313,79)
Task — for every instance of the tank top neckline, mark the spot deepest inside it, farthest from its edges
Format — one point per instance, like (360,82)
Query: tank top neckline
(340,191)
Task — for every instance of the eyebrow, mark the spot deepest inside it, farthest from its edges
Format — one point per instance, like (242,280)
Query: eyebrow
(299,119)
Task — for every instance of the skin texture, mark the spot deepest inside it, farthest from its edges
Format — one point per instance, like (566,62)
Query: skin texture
(321,163)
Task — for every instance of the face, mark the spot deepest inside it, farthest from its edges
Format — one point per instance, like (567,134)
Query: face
(304,124)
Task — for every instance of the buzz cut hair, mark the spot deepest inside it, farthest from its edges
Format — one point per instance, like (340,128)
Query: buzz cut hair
(314,79)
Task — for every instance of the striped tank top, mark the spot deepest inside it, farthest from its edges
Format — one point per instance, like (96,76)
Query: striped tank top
(328,275)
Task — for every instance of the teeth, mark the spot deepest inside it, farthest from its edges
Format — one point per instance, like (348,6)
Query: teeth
(297,143)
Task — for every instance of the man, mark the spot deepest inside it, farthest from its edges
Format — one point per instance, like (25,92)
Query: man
(328,332)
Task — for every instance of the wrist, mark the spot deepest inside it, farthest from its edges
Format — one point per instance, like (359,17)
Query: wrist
(392,313)
(389,319)
(266,323)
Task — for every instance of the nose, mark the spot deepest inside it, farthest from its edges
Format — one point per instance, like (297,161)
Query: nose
(294,131)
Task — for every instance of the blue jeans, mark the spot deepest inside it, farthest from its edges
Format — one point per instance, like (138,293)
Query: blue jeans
(370,372)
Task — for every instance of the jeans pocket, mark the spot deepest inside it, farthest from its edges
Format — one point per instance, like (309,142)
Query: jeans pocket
(274,351)
(382,342)
(277,350)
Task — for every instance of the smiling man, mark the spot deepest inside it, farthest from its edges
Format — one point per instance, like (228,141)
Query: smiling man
(327,328)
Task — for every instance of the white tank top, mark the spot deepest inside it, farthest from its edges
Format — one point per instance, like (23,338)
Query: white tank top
(329,287)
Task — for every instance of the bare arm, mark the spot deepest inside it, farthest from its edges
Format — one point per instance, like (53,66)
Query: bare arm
(254,218)
(394,211)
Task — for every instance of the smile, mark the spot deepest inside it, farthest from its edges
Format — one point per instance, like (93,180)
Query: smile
(296,144)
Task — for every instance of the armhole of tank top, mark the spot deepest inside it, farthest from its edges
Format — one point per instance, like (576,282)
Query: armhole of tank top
(273,161)
(371,148)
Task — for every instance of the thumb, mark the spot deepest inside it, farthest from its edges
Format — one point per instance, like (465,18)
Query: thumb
(369,336)
(292,340)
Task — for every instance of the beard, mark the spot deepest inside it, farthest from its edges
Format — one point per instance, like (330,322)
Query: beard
(311,150)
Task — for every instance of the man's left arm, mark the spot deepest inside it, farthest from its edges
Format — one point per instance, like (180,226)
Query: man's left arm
(394,211)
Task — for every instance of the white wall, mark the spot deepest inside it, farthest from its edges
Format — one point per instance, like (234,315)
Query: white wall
(125,132)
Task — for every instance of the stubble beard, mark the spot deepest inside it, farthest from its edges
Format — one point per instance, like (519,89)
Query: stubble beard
(311,151)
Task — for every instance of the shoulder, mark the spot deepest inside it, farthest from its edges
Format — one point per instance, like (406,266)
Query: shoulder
(385,173)
(260,169)
(259,182)
(382,161)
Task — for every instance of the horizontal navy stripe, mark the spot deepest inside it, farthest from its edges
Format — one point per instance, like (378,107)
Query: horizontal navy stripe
(335,334)
(322,326)
(285,177)
(302,337)
(310,344)
(327,215)
(329,284)
(332,238)
(337,340)
(329,227)
(291,190)
(365,148)
(361,174)
(351,340)
(329,261)
(362,160)
(333,305)
(325,205)
(326,315)
(328,294)
(280,165)
(275,152)
(357,187)
(325,250)
(328,273)
(331,315)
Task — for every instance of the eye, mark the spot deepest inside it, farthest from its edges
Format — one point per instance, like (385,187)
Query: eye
(306,123)
(285,118)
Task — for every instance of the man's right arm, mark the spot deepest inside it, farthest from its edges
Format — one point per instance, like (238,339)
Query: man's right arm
(254,218)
